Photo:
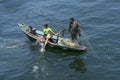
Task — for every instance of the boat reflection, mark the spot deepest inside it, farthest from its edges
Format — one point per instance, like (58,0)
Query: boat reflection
(77,64)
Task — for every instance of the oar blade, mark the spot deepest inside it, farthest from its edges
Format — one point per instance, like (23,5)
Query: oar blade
(42,49)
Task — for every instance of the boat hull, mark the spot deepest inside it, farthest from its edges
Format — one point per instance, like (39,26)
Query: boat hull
(49,46)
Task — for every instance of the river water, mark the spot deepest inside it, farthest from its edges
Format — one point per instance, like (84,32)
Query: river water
(100,21)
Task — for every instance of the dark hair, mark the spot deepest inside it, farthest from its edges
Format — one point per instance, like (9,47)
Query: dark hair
(72,19)
(46,25)
(30,27)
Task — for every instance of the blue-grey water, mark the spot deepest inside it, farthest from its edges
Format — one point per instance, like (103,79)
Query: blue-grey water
(99,20)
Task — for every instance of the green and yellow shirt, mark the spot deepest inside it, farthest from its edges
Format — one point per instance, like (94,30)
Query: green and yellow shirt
(47,30)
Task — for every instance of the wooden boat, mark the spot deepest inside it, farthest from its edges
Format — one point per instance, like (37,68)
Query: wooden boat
(61,43)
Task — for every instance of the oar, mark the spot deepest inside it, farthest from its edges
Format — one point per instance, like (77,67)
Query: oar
(46,41)
(61,31)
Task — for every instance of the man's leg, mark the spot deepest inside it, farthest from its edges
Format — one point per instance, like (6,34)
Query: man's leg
(72,37)
(76,39)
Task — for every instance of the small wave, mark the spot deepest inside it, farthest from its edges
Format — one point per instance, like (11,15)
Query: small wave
(35,68)
(8,43)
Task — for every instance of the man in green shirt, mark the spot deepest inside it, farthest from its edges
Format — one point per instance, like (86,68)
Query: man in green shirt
(47,31)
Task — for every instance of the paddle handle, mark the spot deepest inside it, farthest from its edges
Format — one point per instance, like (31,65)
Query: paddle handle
(45,43)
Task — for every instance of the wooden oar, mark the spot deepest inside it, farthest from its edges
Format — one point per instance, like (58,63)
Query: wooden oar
(46,41)
(61,31)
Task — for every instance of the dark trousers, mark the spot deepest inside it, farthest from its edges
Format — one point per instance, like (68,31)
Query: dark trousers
(74,37)
(50,39)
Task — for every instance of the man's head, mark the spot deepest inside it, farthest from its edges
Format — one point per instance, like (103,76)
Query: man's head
(72,20)
(46,26)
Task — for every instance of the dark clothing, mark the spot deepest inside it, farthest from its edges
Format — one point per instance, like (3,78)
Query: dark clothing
(74,30)
(74,37)
(50,39)
(33,31)
(30,30)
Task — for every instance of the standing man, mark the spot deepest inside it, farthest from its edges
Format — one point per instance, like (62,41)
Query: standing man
(74,30)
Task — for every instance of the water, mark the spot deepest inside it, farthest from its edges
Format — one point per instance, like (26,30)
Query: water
(100,21)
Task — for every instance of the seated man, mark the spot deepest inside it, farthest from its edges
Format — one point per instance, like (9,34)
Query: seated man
(33,31)
(47,31)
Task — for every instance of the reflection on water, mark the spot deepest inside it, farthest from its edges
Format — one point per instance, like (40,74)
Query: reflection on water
(49,63)
(77,64)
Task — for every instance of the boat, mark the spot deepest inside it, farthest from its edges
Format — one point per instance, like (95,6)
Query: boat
(62,43)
